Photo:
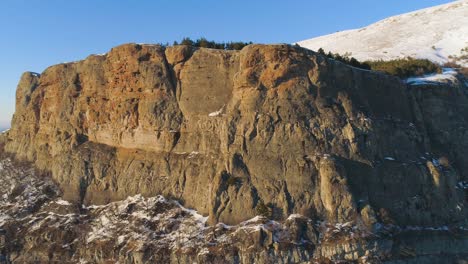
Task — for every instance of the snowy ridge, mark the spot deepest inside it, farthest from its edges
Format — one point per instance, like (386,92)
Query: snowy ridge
(433,33)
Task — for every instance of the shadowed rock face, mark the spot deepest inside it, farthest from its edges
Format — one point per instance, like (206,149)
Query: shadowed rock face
(227,131)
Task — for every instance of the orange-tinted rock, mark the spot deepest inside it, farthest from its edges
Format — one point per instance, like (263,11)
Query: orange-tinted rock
(223,130)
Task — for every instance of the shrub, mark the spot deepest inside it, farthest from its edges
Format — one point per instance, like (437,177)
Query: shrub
(236,45)
(263,209)
(204,43)
(402,68)
(405,68)
(186,41)
(462,58)
(345,59)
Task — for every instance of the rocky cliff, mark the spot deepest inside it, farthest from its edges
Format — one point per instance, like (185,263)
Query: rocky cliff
(270,129)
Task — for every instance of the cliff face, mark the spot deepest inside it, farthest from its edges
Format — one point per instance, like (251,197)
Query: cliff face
(37,226)
(225,132)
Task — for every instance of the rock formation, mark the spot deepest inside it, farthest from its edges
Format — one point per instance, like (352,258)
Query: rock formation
(37,226)
(230,133)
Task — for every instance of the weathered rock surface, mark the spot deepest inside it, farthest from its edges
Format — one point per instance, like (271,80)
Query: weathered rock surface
(37,226)
(226,132)
(293,129)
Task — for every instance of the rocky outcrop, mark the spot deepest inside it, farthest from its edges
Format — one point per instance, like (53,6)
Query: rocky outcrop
(230,132)
(37,226)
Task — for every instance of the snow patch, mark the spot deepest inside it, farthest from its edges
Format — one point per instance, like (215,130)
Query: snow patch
(203,251)
(294,216)
(198,217)
(255,219)
(462,185)
(121,239)
(62,202)
(448,75)
(193,154)
(217,113)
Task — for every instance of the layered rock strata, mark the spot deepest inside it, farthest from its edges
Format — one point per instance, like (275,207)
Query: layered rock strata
(37,226)
(230,133)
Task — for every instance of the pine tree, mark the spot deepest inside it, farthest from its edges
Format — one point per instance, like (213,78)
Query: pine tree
(187,41)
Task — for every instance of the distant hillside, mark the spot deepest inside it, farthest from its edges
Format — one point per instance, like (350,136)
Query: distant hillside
(437,33)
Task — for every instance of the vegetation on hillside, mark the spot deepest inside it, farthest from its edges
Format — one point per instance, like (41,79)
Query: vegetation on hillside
(402,68)
(463,57)
(345,59)
(263,209)
(405,68)
(204,43)
(457,61)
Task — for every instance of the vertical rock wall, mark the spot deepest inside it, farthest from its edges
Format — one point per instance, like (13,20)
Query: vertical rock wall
(228,131)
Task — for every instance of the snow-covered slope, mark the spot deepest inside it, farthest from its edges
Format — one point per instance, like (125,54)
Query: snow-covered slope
(434,33)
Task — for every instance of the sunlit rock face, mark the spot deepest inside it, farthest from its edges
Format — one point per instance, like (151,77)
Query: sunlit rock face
(230,132)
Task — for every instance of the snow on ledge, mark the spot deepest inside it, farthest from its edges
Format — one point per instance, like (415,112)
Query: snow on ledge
(62,202)
(447,75)
(200,218)
(217,113)
(295,216)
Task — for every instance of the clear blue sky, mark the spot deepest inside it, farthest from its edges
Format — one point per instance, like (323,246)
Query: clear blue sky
(39,33)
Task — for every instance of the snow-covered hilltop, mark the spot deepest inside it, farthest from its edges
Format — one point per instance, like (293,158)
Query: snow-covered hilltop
(434,33)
